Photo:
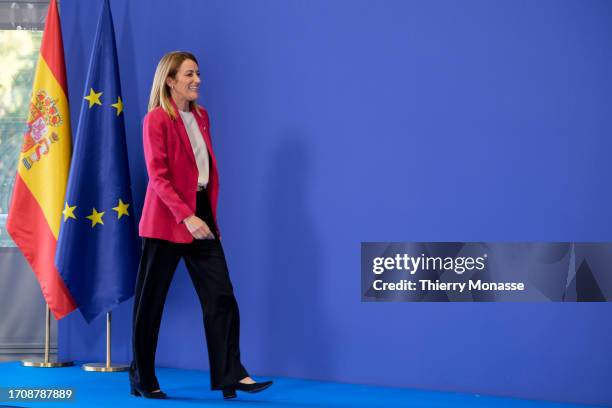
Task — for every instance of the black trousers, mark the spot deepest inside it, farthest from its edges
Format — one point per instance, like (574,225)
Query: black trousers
(207,268)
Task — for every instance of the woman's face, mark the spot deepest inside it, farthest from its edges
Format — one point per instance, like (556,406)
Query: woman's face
(185,87)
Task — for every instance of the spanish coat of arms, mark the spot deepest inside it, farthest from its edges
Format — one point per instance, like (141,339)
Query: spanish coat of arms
(44,114)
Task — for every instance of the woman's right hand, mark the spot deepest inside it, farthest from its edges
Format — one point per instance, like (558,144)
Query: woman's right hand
(198,228)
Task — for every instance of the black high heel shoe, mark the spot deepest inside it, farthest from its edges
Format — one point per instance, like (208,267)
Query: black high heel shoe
(230,392)
(148,394)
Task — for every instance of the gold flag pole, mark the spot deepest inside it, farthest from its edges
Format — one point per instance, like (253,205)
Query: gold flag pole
(46,363)
(106,367)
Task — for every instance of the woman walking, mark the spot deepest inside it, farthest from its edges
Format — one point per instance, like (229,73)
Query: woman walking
(179,221)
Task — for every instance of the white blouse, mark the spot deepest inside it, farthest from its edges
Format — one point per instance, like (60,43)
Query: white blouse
(199,147)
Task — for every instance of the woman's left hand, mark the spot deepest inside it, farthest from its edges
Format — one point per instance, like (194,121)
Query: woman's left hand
(198,228)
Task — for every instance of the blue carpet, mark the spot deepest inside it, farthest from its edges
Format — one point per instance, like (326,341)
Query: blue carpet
(189,388)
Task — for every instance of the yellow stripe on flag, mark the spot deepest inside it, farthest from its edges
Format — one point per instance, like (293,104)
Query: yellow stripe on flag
(45,158)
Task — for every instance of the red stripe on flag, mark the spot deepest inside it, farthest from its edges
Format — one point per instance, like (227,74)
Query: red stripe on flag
(28,227)
(52,48)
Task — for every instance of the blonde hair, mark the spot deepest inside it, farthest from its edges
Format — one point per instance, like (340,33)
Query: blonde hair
(167,67)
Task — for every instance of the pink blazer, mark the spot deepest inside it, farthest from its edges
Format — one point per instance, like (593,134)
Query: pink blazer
(173,175)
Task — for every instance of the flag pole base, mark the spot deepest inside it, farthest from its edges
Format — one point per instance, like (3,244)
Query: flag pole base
(48,361)
(105,368)
(46,364)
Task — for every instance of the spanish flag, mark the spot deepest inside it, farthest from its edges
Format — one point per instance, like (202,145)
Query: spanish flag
(42,171)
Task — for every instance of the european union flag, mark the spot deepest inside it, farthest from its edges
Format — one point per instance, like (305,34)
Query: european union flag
(97,251)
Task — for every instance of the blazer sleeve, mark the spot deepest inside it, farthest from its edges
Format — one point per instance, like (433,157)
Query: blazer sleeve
(156,157)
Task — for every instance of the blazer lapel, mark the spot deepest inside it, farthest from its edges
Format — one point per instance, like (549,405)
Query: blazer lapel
(182,132)
(205,134)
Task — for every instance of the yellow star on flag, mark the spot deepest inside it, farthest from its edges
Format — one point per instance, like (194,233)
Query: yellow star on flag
(121,209)
(69,212)
(118,105)
(93,98)
(95,217)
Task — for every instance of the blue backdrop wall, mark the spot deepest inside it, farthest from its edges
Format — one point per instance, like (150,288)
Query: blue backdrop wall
(352,120)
